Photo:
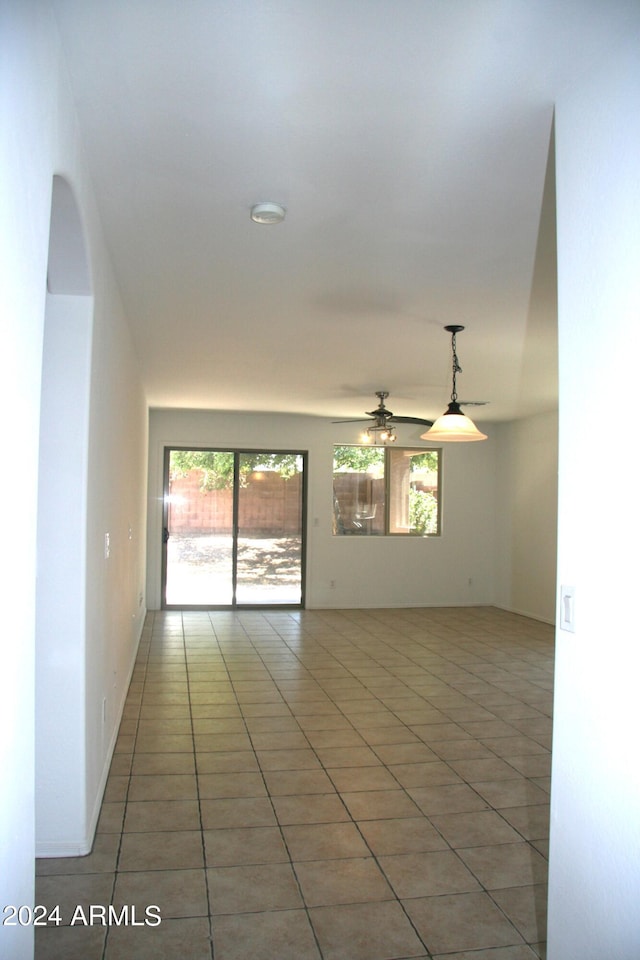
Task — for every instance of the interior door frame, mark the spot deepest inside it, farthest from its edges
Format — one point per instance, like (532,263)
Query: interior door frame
(237,453)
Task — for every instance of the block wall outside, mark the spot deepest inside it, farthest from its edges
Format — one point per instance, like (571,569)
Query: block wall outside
(270,505)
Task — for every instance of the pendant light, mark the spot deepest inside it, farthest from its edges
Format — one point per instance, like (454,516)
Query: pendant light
(454,425)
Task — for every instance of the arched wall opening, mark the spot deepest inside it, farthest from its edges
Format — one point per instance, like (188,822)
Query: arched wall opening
(61,817)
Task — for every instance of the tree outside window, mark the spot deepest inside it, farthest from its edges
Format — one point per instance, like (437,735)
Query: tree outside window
(386,490)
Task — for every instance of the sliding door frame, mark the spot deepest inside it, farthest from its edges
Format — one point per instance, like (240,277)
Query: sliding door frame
(237,453)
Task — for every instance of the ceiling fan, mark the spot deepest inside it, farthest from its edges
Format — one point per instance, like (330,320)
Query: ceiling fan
(382,418)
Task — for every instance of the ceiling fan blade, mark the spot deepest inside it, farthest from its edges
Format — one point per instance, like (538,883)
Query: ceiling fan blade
(428,423)
(381,416)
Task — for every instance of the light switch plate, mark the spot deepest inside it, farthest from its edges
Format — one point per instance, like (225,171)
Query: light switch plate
(568,608)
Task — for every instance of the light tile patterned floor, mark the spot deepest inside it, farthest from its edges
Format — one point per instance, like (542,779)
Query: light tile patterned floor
(345,785)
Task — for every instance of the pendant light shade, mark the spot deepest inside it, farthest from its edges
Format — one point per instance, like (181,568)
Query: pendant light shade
(454,426)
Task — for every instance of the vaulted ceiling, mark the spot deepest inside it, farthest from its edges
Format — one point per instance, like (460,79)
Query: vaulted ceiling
(408,141)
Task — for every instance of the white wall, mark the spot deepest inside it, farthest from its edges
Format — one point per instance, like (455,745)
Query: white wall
(90,608)
(40,139)
(368,571)
(116,504)
(25,175)
(61,581)
(527,481)
(527,473)
(594,888)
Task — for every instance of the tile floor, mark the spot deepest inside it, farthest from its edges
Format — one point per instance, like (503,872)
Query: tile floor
(344,785)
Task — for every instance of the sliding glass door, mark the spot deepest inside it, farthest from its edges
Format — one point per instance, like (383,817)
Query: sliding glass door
(233,528)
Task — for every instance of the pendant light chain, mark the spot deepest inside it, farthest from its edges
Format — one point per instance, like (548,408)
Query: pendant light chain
(456,367)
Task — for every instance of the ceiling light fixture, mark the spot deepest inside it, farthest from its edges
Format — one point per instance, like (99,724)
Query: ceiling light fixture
(454,425)
(379,434)
(267,213)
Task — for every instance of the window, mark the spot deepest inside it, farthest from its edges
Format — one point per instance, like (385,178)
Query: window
(386,490)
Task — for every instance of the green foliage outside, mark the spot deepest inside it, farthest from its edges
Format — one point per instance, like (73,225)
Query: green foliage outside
(360,459)
(423,513)
(217,466)
(427,460)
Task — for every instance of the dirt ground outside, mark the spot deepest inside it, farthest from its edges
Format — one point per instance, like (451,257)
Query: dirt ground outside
(199,570)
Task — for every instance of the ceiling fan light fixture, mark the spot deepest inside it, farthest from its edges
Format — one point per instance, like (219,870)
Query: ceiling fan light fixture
(379,434)
(381,419)
(268,213)
(454,426)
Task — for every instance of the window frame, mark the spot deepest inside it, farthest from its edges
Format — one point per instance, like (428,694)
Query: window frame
(388,450)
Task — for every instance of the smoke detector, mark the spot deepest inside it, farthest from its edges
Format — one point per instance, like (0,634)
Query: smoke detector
(267,213)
